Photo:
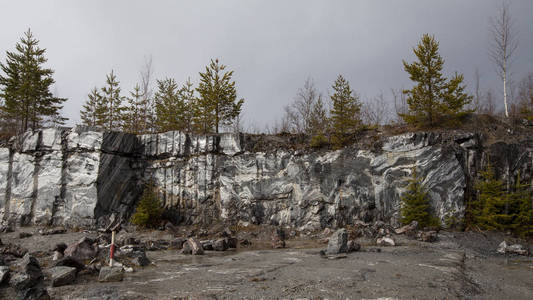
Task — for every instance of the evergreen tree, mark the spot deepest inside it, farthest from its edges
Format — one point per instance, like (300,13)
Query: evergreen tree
(93,111)
(170,107)
(25,87)
(217,105)
(489,209)
(149,211)
(434,96)
(415,204)
(134,114)
(521,208)
(112,101)
(188,99)
(319,124)
(345,113)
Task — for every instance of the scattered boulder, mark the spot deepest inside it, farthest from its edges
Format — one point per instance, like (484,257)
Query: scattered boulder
(503,248)
(385,241)
(352,246)
(62,275)
(60,247)
(192,246)
(82,250)
(220,245)
(111,274)
(4,273)
(140,259)
(57,255)
(232,242)
(245,243)
(177,243)
(338,242)
(30,274)
(57,230)
(12,249)
(407,229)
(427,236)
(69,261)
(157,245)
(207,244)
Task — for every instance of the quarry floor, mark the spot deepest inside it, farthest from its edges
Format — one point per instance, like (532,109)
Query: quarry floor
(458,266)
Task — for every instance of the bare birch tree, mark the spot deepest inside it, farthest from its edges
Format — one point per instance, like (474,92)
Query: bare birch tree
(148,110)
(298,114)
(502,47)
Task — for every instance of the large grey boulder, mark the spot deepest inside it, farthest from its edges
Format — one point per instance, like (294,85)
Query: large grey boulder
(30,274)
(110,274)
(192,246)
(139,258)
(82,250)
(62,275)
(338,242)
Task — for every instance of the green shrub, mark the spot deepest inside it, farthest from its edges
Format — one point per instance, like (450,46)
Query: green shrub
(318,141)
(415,204)
(497,209)
(149,211)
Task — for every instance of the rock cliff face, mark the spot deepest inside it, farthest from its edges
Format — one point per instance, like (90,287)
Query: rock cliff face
(73,177)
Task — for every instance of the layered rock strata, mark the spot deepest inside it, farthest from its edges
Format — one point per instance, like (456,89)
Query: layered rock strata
(75,176)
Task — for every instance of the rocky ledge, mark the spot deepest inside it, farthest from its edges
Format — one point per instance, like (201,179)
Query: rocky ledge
(78,177)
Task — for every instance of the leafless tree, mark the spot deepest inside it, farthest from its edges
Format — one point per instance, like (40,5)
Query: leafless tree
(503,45)
(375,111)
(400,104)
(298,114)
(525,93)
(487,105)
(148,111)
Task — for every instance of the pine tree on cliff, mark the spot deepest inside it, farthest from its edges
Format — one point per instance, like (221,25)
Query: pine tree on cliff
(217,104)
(434,96)
(415,203)
(187,96)
(25,87)
(345,112)
(134,121)
(112,101)
(170,107)
(93,112)
(319,124)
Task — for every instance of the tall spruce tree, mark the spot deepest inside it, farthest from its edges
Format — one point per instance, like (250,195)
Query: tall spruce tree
(217,104)
(345,112)
(489,209)
(415,204)
(433,96)
(25,87)
(521,208)
(170,107)
(112,101)
(319,124)
(134,113)
(189,101)
(93,112)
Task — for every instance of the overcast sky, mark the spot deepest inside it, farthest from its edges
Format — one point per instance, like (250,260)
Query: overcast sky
(272,46)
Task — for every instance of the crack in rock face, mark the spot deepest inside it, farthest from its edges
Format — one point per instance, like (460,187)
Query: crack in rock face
(79,177)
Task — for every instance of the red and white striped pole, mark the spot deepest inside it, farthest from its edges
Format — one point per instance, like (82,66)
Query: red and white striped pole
(112,250)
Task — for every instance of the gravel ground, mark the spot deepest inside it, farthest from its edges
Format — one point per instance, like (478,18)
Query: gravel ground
(460,265)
